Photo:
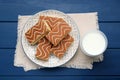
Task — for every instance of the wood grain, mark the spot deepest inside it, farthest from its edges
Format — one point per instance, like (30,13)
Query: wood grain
(108,9)
(110,66)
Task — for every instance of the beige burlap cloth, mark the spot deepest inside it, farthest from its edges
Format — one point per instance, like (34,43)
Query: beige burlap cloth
(85,22)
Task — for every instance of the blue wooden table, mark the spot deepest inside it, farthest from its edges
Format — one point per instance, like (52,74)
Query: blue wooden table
(109,22)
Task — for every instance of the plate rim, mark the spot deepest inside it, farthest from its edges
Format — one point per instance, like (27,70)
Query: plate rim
(58,12)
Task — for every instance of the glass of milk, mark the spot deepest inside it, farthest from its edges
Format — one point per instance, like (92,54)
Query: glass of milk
(94,43)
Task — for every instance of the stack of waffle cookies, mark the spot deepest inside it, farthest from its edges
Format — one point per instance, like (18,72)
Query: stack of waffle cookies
(51,35)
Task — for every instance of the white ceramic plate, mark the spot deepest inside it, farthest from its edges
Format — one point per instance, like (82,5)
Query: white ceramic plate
(53,61)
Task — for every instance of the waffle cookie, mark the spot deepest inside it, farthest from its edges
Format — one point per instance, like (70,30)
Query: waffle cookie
(43,49)
(51,21)
(61,48)
(58,33)
(37,32)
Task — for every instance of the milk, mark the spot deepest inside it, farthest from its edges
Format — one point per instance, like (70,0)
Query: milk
(94,43)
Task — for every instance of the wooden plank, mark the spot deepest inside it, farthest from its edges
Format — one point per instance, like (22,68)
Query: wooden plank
(8,34)
(112,31)
(107,9)
(61,78)
(110,66)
